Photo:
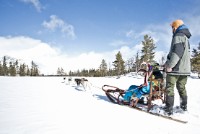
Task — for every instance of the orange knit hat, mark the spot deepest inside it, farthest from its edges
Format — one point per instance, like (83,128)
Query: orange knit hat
(175,24)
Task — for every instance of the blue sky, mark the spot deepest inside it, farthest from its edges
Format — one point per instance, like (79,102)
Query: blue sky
(66,32)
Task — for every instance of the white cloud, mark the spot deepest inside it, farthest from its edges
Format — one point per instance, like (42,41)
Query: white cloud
(36,4)
(27,49)
(56,23)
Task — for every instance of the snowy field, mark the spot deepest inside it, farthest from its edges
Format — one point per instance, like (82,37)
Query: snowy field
(48,105)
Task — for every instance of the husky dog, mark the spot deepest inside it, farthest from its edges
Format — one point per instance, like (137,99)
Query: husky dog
(78,81)
(63,80)
(86,84)
(83,81)
(69,80)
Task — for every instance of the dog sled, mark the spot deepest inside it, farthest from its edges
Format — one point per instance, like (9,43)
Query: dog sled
(144,97)
(152,89)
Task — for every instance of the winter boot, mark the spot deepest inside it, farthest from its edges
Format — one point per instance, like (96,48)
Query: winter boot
(169,105)
(183,103)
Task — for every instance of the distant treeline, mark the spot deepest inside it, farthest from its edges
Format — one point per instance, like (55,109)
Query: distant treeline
(11,67)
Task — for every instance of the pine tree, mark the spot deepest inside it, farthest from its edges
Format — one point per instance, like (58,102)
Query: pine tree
(119,64)
(1,69)
(62,72)
(84,72)
(22,70)
(34,69)
(148,49)
(12,70)
(58,71)
(77,72)
(103,68)
(5,68)
(130,64)
(17,66)
(71,73)
(137,62)
(28,72)
(92,72)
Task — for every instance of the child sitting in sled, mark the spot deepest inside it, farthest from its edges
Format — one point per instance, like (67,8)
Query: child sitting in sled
(135,92)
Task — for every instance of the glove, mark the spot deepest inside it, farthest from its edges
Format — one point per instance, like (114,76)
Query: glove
(168,69)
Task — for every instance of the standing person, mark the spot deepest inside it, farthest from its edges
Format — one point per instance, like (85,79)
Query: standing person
(178,66)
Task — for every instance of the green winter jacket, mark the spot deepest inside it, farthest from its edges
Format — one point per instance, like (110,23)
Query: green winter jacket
(179,56)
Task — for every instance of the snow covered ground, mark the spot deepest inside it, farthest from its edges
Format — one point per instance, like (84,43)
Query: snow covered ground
(48,105)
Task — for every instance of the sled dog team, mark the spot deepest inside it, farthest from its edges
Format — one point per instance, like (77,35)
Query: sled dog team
(78,81)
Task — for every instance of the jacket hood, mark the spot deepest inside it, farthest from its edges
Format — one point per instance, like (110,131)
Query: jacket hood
(184,30)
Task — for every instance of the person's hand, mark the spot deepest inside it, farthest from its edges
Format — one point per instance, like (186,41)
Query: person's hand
(168,69)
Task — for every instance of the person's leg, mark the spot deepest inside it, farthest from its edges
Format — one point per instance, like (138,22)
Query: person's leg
(180,85)
(170,84)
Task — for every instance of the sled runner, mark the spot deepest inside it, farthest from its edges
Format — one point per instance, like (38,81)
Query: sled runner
(142,97)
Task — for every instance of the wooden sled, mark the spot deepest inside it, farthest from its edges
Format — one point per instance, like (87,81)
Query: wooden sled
(116,95)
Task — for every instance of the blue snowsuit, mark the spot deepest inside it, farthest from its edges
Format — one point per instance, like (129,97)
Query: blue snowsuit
(136,91)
